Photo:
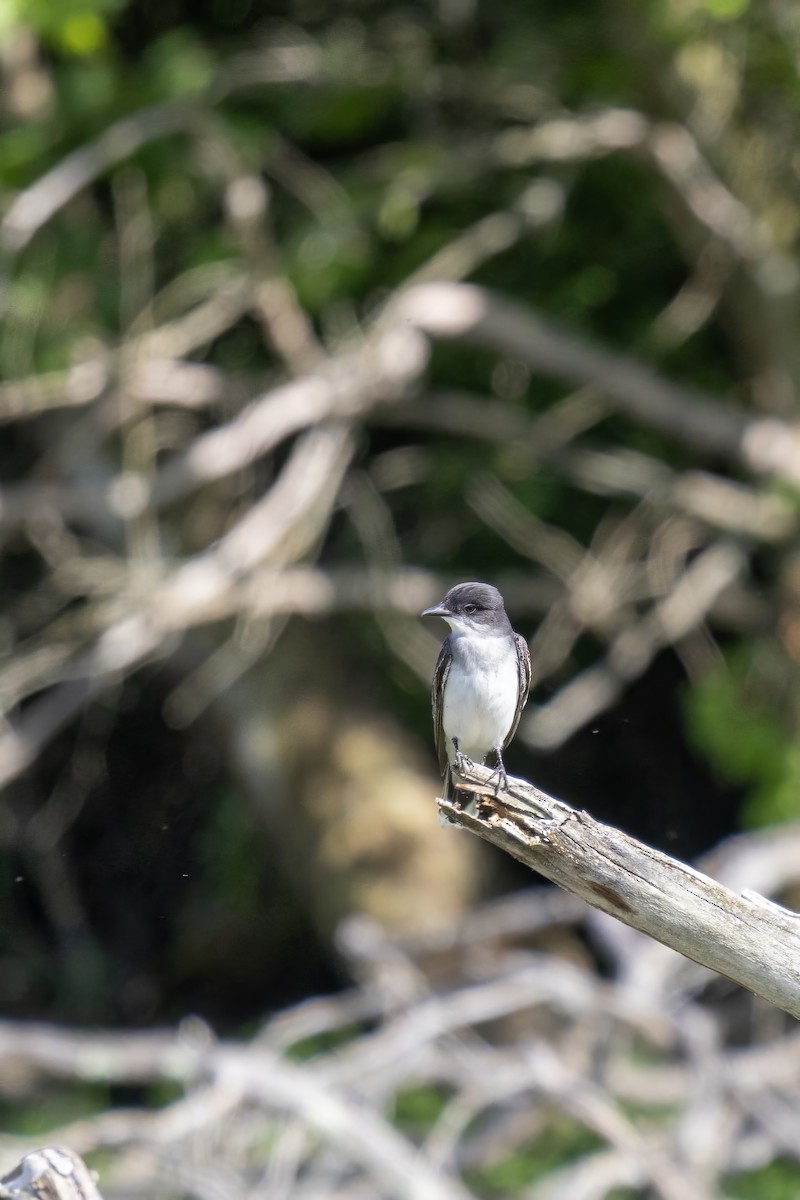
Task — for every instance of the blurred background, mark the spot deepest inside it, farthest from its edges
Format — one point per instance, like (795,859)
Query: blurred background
(309,311)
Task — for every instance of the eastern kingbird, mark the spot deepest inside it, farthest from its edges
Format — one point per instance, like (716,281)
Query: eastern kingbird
(481,682)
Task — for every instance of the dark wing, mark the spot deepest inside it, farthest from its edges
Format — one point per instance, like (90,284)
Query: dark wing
(524,669)
(437,702)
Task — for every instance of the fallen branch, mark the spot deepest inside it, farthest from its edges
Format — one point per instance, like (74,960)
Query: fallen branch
(511,1040)
(745,937)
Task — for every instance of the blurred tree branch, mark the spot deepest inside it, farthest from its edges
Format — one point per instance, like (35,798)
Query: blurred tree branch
(450,310)
(511,1038)
(281,323)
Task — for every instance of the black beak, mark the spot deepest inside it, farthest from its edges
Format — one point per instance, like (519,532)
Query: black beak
(438,610)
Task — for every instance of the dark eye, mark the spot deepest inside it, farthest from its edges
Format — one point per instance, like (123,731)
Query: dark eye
(470,608)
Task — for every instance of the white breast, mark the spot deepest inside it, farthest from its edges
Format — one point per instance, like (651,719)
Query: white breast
(480,696)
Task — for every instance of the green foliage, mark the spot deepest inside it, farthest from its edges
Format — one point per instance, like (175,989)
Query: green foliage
(726,10)
(19,148)
(737,719)
(179,64)
(78,27)
(231,869)
(323,1043)
(779,1180)
(561,1141)
(417,1109)
(60,1105)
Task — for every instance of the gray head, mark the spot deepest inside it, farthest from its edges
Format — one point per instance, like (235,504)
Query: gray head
(472,608)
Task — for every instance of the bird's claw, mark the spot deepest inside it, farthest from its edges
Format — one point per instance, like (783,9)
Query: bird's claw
(460,761)
(501,780)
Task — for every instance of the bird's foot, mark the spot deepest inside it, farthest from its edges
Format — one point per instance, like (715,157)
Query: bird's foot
(460,761)
(499,773)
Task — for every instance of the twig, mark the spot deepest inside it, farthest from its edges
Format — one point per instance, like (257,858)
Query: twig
(674,616)
(34,207)
(279,528)
(345,389)
(755,944)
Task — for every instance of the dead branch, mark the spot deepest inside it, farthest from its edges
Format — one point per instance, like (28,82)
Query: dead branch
(512,1034)
(745,937)
(54,1173)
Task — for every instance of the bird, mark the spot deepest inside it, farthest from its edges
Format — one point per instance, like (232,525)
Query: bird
(481,681)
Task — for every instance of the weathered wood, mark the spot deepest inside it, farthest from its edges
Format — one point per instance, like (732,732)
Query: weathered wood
(745,937)
(53,1173)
